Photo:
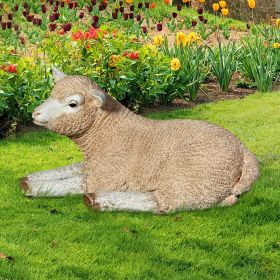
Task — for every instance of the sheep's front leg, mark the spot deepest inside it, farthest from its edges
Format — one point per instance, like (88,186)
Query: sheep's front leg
(121,201)
(56,182)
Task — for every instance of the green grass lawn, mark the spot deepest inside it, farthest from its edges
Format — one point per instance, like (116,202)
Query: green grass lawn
(60,239)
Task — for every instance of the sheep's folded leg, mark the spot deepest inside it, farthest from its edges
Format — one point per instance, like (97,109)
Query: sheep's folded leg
(121,201)
(56,182)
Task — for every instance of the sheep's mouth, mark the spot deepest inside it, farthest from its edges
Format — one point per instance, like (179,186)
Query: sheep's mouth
(39,123)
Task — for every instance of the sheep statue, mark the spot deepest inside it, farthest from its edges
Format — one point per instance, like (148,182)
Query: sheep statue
(132,163)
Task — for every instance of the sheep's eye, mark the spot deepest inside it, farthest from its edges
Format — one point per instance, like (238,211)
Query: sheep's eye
(73,104)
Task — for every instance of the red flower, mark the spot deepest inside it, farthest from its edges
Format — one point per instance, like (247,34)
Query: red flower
(91,34)
(134,55)
(9,68)
(77,36)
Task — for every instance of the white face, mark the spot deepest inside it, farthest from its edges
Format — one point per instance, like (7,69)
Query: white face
(53,108)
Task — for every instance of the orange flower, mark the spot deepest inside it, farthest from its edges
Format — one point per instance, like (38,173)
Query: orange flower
(153,5)
(223,4)
(224,12)
(252,4)
(129,2)
(216,7)
(167,2)
(201,1)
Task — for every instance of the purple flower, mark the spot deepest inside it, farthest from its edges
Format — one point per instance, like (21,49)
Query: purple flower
(62,4)
(15,9)
(66,27)
(89,8)
(194,22)
(81,15)
(147,5)
(52,26)
(70,6)
(121,9)
(201,18)
(200,11)
(52,17)
(140,5)
(179,7)
(9,24)
(3,25)
(159,26)
(131,8)
(57,15)
(95,25)
(10,16)
(25,5)
(95,18)
(174,15)
(131,15)
(93,2)
(44,9)
(16,27)
(144,29)
(55,9)
(115,15)
(138,17)
(125,16)
(121,3)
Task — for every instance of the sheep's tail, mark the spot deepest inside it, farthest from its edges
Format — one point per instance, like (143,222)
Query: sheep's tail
(250,173)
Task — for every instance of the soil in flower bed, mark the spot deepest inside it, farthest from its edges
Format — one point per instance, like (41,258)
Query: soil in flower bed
(210,92)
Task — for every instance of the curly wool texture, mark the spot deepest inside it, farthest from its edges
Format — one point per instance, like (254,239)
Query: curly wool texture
(185,164)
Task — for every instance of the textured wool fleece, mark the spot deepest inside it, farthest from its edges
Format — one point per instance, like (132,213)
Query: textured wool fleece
(185,164)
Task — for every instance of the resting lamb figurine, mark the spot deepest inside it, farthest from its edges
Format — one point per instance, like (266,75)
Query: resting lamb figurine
(137,164)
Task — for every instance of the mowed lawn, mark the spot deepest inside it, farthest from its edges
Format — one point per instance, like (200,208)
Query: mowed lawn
(60,239)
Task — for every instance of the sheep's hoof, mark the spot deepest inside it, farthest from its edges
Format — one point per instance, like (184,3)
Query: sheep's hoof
(24,186)
(229,201)
(89,201)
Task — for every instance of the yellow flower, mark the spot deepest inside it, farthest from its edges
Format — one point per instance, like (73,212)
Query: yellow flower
(216,7)
(113,60)
(201,1)
(276,45)
(252,4)
(6,8)
(223,4)
(158,40)
(192,37)
(129,2)
(175,64)
(181,39)
(224,12)
(186,1)
(277,22)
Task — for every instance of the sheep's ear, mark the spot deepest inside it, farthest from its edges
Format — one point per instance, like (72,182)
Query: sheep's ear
(99,96)
(57,74)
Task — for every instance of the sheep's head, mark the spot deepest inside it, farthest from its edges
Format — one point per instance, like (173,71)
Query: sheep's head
(72,106)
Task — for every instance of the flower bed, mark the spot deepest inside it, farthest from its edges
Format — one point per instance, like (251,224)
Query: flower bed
(112,44)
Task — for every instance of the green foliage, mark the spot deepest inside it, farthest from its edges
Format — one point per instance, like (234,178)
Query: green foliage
(260,61)
(20,92)
(187,80)
(224,63)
